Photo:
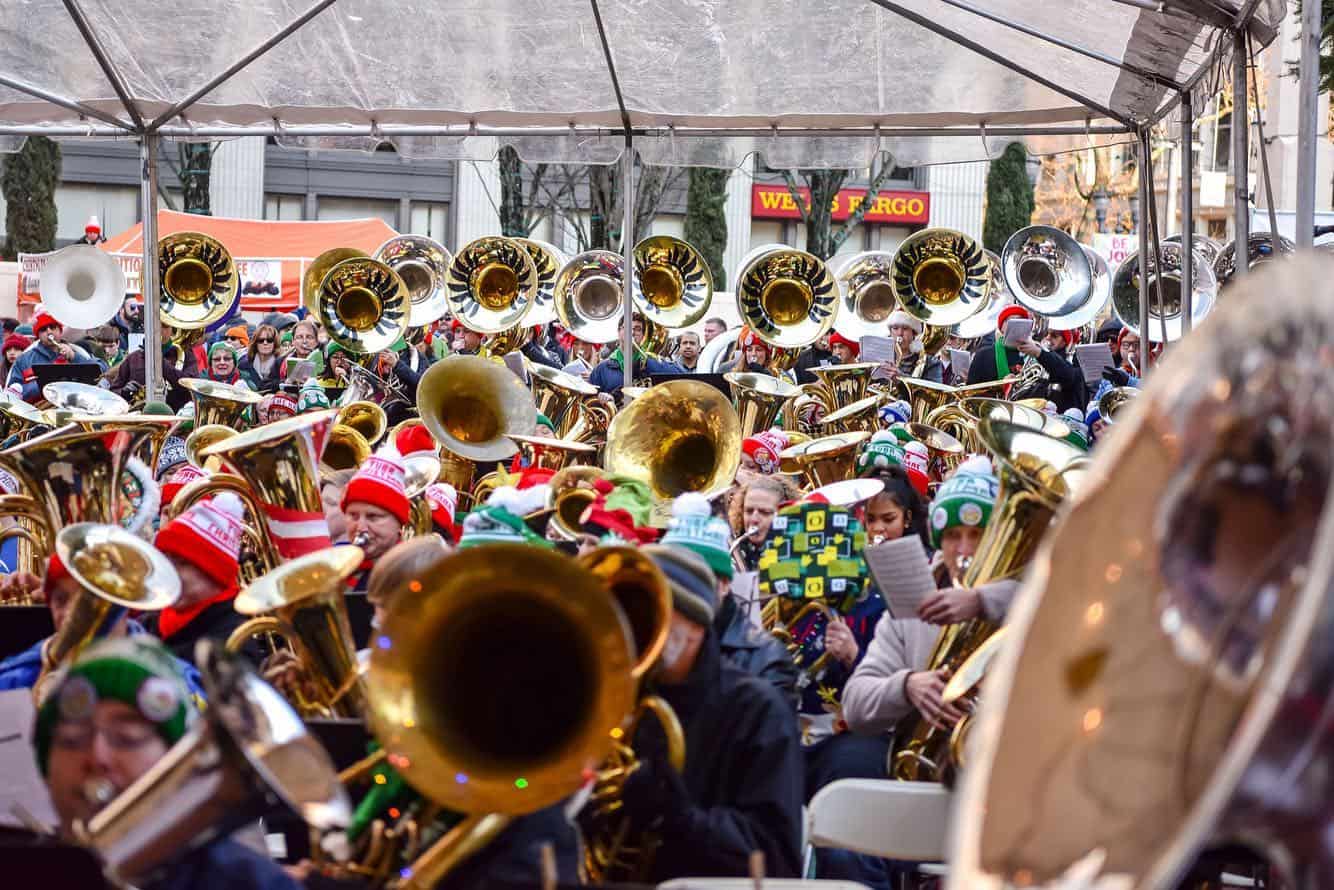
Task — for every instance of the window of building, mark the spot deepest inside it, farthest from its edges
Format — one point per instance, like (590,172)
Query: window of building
(115,206)
(666,224)
(357,208)
(1221,153)
(430,219)
(285,207)
(1218,229)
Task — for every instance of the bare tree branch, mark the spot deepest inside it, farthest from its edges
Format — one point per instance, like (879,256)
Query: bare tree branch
(795,191)
(872,190)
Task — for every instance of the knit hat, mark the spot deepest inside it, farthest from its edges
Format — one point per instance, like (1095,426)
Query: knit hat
(494,523)
(173,453)
(16,341)
(334,346)
(43,321)
(896,412)
(219,346)
(1012,311)
(413,438)
(900,319)
(282,405)
(208,536)
(55,571)
(836,338)
(615,526)
(881,451)
(632,496)
(964,499)
(92,226)
(379,482)
(312,398)
(544,421)
(158,409)
(443,500)
(694,586)
(694,527)
(24,329)
(1093,415)
(240,332)
(136,670)
(183,476)
(764,448)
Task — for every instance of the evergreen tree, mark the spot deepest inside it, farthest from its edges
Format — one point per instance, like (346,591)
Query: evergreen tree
(29,184)
(1009,197)
(706,221)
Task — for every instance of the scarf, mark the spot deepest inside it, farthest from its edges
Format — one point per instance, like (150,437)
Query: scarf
(640,355)
(172,620)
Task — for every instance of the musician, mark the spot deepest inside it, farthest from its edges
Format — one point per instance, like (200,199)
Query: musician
(464,341)
(817,355)
(92,232)
(1064,383)
(741,788)
(687,351)
(755,354)
(608,376)
(751,513)
(583,358)
(50,348)
(204,545)
(759,452)
(907,334)
(536,352)
(129,319)
(1126,372)
(305,342)
(714,327)
(117,711)
(375,505)
(844,351)
(127,378)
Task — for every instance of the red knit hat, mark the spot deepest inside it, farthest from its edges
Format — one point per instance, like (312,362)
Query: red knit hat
(597,519)
(444,501)
(763,448)
(413,438)
(208,536)
(531,477)
(182,477)
(853,345)
(55,570)
(749,338)
(282,405)
(43,321)
(16,341)
(1070,337)
(379,482)
(1009,312)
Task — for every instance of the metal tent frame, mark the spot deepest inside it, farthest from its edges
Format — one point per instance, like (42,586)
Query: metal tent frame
(1239,18)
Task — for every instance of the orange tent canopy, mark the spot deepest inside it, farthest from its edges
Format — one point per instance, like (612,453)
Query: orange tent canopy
(286,248)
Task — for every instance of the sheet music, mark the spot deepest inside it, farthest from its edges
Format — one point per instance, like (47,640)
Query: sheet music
(1017,330)
(878,349)
(903,573)
(514,361)
(960,361)
(1092,358)
(23,784)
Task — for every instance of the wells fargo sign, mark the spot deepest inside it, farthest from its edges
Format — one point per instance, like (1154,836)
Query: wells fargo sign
(910,208)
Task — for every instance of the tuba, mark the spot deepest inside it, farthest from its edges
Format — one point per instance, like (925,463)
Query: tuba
(421,263)
(19,420)
(303,602)
(984,321)
(825,460)
(363,305)
(558,396)
(202,437)
(364,385)
(1170,691)
(547,262)
(199,281)
(672,283)
(471,405)
(223,404)
(677,437)
(366,418)
(553,454)
(314,275)
(759,399)
(1036,474)
(571,493)
(1116,400)
(491,285)
(432,684)
(1261,248)
(588,294)
(346,448)
(1048,272)
(787,297)
(247,752)
(82,287)
(1125,293)
(68,399)
(866,294)
(941,277)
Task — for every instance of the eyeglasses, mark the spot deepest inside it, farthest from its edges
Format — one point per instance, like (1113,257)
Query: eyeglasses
(264,340)
(118,736)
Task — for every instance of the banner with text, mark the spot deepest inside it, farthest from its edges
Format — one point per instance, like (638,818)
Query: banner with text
(1115,248)
(901,207)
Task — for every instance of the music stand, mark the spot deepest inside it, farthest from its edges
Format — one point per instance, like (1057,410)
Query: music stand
(51,372)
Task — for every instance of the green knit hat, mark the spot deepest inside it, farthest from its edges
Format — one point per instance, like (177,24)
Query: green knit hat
(161,408)
(543,420)
(695,527)
(312,398)
(964,499)
(218,347)
(493,524)
(883,451)
(334,346)
(137,670)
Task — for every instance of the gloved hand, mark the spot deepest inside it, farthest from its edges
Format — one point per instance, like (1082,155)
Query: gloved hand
(654,793)
(1115,376)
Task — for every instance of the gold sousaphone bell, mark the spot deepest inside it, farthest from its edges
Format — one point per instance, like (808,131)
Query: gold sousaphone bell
(198,279)
(491,285)
(548,260)
(672,283)
(787,297)
(941,276)
(220,403)
(363,305)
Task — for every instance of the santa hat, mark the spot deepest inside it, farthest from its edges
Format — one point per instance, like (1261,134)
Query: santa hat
(1009,312)
(413,438)
(443,500)
(92,227)
(764,448)
(43,321)
(182,477)
(379,482)
(208,536)
(281,405)
(900,319)
(836,338)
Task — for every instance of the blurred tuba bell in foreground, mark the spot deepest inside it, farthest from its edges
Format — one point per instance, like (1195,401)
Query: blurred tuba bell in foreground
(1171,691)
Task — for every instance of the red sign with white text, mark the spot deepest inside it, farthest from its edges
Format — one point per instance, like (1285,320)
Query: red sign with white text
(909,208)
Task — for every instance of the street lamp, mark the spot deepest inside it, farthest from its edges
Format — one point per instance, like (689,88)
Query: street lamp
(1101,200)
(1033,167)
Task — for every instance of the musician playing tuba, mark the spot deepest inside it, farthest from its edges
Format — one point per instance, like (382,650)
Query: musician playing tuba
(50,349)
(608,376)
(1060,381)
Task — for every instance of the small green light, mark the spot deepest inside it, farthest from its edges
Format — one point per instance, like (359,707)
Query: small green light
(520,784)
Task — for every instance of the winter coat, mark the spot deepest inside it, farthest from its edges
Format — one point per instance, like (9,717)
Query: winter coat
(875,698)
(261,383)
(1065,388)
(129,374)
(37,354)
(538,353)
(932,369)
(223,865)
(608,376)
(21,671)
(811,358)
(215,622)
(754,651)
(743,775)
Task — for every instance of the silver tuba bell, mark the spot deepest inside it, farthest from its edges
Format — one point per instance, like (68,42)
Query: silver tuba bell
(82,287)
(1168,323)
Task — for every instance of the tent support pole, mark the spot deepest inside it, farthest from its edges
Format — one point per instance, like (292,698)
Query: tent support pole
(240,63)
(104,61)
(1187,212)
(152,293)
(628,265)
(64,102)
(1241,132)
(1308,125)
(1145,196)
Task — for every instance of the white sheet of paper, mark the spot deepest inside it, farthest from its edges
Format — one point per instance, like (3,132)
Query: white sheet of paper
(960,361)
(878,349)
(23,784)
(1092,358)
(136,341)
(514,361)
(1017,330)
(903,573)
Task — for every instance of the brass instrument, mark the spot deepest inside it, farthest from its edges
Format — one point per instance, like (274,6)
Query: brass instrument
(941,277)
(553,454)
(1116,400)
(26,522)
(963,687)
(199,281)
(248,751)
(1261,248)
(202,437)
(366,418)
(421,263)
(491,285)
(363,305)
(548,260)
(866,294)
(320,267)
(787,297)
(840,385)
(304,603)
(759,398)
(587,295)
(672,283)
(116,571)
(420,470)
(1167,281)
(677,437)
(780,614)
(558,396)
(82,287)
(985,320)
(1167,693)
(946,451)
(19,419)
(68,398)
(926,397)
(862,415)
(824,460)
(571,494)
(960,419)
(220,403)
(346,449)
(470,405)
(259,552)
(1047,271)
(432,688)
(364,385)
(512,339)
(1033,472)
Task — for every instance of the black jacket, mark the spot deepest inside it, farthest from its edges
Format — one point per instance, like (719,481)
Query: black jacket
(1065,388)
(216,623)
(224,865)
(265,384)
(754,651)
(742,786)
(129,374)
(811,358)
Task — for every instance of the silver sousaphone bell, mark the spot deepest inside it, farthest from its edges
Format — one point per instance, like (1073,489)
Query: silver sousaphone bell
(1125,294)
(82,287)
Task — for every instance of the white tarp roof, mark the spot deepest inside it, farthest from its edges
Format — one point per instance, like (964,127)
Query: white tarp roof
(715,64)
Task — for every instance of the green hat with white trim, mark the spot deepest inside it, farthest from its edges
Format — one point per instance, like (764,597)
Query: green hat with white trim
(695,527)
(964,499)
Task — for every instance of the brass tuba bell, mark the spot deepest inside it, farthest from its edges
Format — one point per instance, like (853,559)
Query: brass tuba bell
(548,260)
(787,297)
(470,405)
(82,287)
(677,437)
(366,418)
(199,281)
(1125,294)
(491,284)
(588,295)
(421,263)
(824,460)
(558,395)
(941,276)
(866,288)
(363,305)
(1260,249)
(220,403)
(346,449)
(315,272)
(758,399)
(672,283)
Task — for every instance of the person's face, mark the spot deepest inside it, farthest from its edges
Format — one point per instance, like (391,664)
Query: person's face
(689,346)
(1130,348)
(757,512)
(12,354)
(236,342)
(587,543)
(304,340)
(678,655)
(331,496)
(265,343)
(903,335)
(382,528)
(637,331)
(748,463)
(50,335)
(1054,341)
(61,599)
(339,362)
(110,345)
(842,353)
(756,354)
(224,363)
(712,329)
(885,519)
(822,342)
(957,543)
(585,351)
(130,310)
(195,585)
(467,341)
(115,746)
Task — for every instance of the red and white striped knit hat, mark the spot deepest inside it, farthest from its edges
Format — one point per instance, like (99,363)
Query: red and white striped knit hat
(208,536)
(379,482)
(444,500)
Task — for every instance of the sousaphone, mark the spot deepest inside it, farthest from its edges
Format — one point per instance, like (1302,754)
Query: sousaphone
(471,404)
(81,286)
(363,305)
(672,283)
(941,276)
(197,278)
(984,322)
(588,295)
(1125,293)
(422,264)
(1049,274)
(866,294)
(1261,248)
(787,297)
(548,260)
(314,275)
(491,285)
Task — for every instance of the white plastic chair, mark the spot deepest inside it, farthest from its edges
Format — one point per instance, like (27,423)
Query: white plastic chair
(906,821)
